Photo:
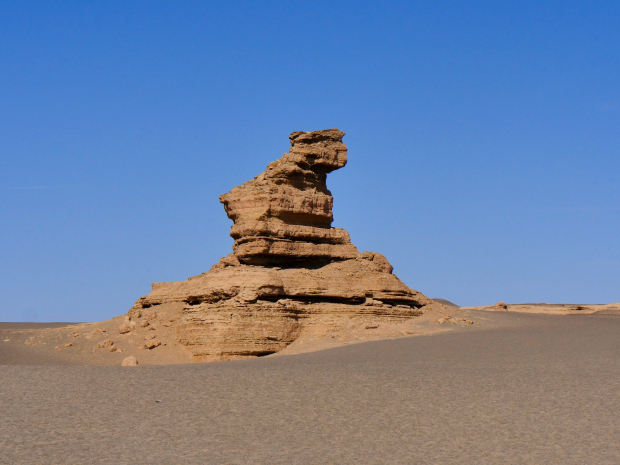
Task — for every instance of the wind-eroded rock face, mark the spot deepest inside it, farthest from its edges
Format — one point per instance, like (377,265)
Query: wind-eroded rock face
(284,215)
(290,271)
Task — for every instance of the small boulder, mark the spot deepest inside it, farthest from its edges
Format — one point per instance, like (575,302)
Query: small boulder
(129,362)
(501,306)
(106,343)
(124,328)
(152,344)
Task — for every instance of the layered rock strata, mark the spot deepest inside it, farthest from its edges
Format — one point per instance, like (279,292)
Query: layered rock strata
(290,271)
(284,215)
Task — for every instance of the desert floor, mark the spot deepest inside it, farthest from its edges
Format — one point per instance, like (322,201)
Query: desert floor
(522,388)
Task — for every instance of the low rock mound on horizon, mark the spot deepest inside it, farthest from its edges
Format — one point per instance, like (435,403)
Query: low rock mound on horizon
(290,270)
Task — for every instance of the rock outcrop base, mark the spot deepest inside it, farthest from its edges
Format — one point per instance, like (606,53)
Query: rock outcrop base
(290,271)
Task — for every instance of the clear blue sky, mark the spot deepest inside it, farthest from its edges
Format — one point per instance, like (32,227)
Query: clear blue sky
(484,142)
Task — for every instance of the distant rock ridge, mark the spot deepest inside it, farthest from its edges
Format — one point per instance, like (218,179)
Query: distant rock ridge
(290,271)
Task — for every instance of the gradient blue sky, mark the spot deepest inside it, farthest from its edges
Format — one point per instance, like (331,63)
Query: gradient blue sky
(484,142)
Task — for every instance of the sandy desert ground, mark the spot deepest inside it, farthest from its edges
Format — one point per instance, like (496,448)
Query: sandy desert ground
(513,387)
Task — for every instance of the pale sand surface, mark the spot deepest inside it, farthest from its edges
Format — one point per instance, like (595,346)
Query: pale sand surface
(522,388)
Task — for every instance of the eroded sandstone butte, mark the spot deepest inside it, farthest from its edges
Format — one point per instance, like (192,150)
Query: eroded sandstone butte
(284,215)
(290,271)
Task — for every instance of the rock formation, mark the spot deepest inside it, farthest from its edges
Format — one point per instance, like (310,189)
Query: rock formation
(284,215)
(289,272)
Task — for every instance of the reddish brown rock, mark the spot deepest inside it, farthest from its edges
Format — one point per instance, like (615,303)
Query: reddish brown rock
(289,272)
